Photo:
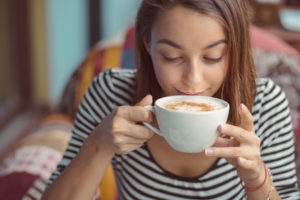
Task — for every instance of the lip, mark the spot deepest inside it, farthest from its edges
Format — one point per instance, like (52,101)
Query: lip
(189,93)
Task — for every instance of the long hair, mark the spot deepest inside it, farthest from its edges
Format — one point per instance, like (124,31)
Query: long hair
(239,85)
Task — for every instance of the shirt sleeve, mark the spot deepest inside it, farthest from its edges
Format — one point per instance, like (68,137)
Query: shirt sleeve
(273,126)
(96,104)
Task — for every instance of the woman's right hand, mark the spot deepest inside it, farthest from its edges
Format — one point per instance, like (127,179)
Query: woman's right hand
(120,131)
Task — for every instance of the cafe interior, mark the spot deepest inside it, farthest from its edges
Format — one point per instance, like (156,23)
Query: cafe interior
(50,52)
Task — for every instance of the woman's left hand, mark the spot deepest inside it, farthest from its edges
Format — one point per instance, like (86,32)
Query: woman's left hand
(242,150)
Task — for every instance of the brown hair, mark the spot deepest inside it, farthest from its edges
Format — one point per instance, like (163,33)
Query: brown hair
(239,85)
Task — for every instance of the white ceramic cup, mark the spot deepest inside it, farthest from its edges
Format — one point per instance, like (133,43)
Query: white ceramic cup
(189,131)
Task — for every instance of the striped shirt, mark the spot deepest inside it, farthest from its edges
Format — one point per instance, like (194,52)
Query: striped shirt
(139,176)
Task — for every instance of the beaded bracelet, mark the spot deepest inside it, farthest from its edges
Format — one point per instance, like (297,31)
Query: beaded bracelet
(272,186)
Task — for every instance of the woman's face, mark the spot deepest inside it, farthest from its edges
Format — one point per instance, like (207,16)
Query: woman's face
(188,51)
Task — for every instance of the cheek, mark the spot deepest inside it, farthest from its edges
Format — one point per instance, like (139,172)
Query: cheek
(165,75)
(217,75)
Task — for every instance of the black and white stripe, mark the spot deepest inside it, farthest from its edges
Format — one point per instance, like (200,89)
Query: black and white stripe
(140,177)
(36,190)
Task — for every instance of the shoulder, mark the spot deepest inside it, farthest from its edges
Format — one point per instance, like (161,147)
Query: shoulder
(268,91)
(271,107)
(118,85)
(109,89)
(109,79)
(117,73)
(112,77)
(265,84)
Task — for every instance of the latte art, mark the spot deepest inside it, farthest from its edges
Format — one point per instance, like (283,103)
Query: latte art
(192,106)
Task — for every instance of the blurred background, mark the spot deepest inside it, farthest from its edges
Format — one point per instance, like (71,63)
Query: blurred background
(44,43)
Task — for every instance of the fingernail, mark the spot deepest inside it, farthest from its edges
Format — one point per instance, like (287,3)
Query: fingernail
(244,108)
(241,160)
(222,127)
(209,152)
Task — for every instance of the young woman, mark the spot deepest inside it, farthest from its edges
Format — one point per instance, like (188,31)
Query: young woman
(191,47)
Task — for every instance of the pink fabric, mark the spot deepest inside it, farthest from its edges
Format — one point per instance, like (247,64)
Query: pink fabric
(99,61)
(130,38)
(37,160)
(264,40)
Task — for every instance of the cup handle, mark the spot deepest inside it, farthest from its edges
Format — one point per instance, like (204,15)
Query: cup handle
(155,130)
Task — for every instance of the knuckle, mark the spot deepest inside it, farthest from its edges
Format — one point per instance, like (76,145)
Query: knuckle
(145,115)
(241,136)
(254,153)
(117,141)
(118,111)
(257,141)
(235,154)
(142,113)
(121,110)
(123,150)
(115,125)
(257,154)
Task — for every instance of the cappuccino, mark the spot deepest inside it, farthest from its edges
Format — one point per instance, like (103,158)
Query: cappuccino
(193,106)
(189,123)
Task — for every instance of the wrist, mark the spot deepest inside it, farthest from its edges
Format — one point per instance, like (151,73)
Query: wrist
(97,147)
(265,190)
(257,183)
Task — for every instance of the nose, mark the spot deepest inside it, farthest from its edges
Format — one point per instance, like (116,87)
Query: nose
(193,73)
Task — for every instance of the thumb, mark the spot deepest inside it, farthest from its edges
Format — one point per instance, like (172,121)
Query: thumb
(147,100)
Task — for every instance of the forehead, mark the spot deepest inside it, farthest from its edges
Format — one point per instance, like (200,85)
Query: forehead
(188,26)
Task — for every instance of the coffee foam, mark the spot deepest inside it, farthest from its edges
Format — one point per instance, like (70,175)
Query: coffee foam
(193,106)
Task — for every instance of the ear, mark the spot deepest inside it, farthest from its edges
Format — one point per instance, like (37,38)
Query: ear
(147,45)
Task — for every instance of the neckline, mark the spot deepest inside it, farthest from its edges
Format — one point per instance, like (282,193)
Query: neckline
(178,177)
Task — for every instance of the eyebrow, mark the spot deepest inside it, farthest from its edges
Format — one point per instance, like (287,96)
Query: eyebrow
(215,44)
(169,42)
(173,44)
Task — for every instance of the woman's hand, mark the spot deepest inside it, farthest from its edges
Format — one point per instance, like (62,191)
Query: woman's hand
(120,132)
(242,150)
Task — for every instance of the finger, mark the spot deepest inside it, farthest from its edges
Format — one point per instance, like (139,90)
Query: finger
(141,131)
(246,118)
(125,149)
(223,142)
(147,100)
(122,140)
(135,113)
(226,152)
(236,132)
(136,131)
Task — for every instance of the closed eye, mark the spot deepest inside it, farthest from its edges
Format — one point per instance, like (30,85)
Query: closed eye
(171,59)
(213,60)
